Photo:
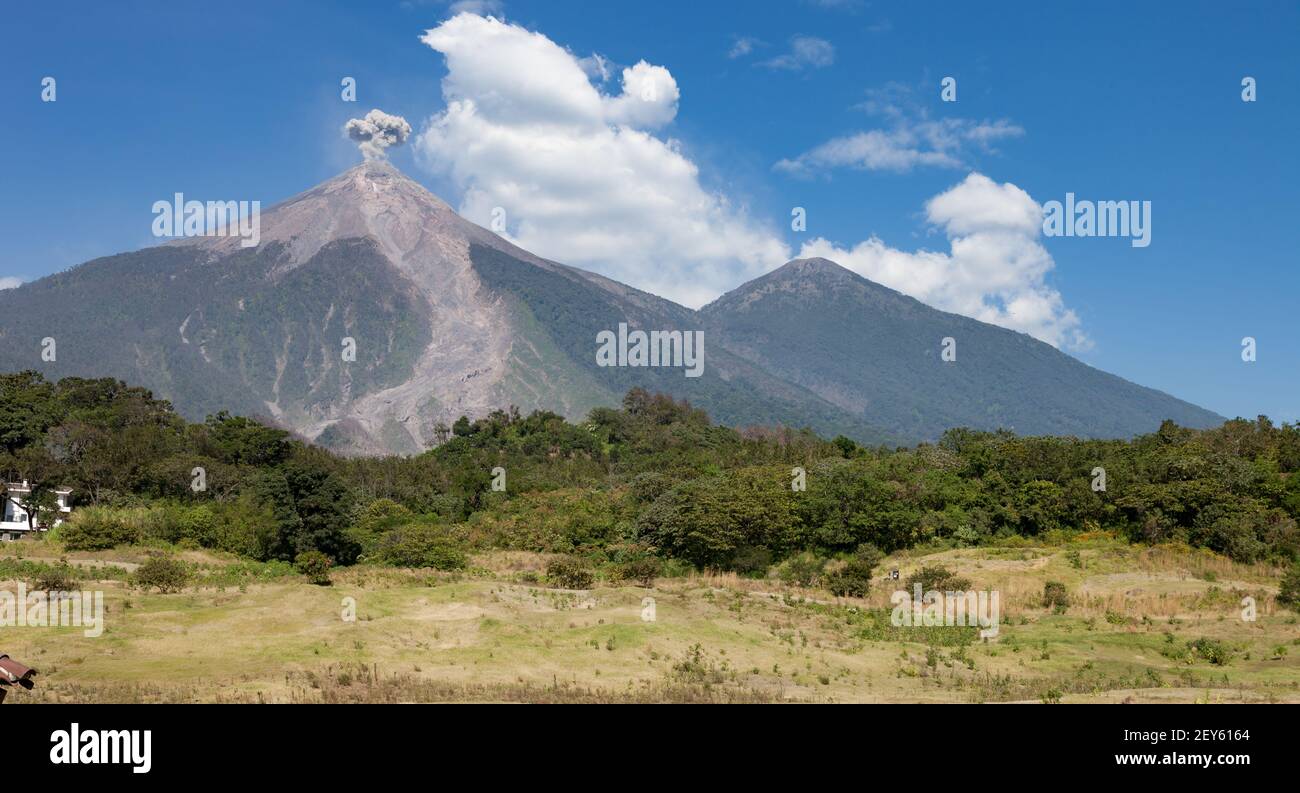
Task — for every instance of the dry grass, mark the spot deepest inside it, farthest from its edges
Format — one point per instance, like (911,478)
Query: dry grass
(487,635)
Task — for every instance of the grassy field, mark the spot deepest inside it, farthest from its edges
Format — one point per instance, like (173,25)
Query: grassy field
(249,633)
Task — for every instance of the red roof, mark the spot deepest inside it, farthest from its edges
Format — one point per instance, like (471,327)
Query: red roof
(13,673)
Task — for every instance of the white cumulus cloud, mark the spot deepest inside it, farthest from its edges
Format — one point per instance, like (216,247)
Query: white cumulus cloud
(580,173)
(995,269)
(10,282)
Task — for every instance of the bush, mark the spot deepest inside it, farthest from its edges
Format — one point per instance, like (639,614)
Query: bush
(420,545)
(803,570)
(379,517)
(244,526)
(164,573)
(98,529)
(649,486)
(55,578)
(199,525)
(315,565)
(643,571)
(751,562)
(1212,650)
(854,578)
(938,579)
(569,572)
(1289,592)
(1055,597)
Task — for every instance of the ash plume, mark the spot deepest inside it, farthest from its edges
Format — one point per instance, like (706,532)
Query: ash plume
(377,132)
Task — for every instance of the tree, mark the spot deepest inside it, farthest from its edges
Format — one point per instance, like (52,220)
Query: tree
(235,439)
(937,578)
(707,521)
(27,409)
(321,501)
(43,475)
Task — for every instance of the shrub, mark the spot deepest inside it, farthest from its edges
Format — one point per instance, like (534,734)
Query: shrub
(649,486)
(98,529)
(569,572)
(420,545)
(854,578)
(1289,592)
(55,578)
(937,578)
(557,521)
(803,570)
(315,565)
(245,526)
(751,562)
(199,525)
(643,571)
(1055,597)
(164,573)
(846,583)
(379,517)
(1212,650)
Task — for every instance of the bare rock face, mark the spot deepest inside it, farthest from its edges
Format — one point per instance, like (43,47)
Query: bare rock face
(470,333)
(466,334)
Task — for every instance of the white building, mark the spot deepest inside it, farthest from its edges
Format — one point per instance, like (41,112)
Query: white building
(14,524)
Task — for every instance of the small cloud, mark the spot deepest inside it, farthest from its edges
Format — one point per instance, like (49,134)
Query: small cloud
(838,5)
(742,46)
(649,98)
(912,139)
(377,132)
(480,7)
(454,7)
(10,282)
(806,52)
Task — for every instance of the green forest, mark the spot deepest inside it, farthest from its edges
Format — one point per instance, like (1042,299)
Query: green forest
(653,486)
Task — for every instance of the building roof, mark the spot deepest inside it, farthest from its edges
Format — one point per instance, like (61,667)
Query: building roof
(13,673)
(23,487)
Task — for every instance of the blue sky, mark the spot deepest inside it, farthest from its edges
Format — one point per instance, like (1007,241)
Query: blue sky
(1106,100)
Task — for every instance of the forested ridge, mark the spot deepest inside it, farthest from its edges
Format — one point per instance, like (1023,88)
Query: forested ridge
(654,483)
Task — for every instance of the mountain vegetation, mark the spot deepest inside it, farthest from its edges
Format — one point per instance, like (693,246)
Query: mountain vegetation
(652,484)
(878,354)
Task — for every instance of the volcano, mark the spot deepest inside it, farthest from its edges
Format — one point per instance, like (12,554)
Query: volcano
(371,315)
